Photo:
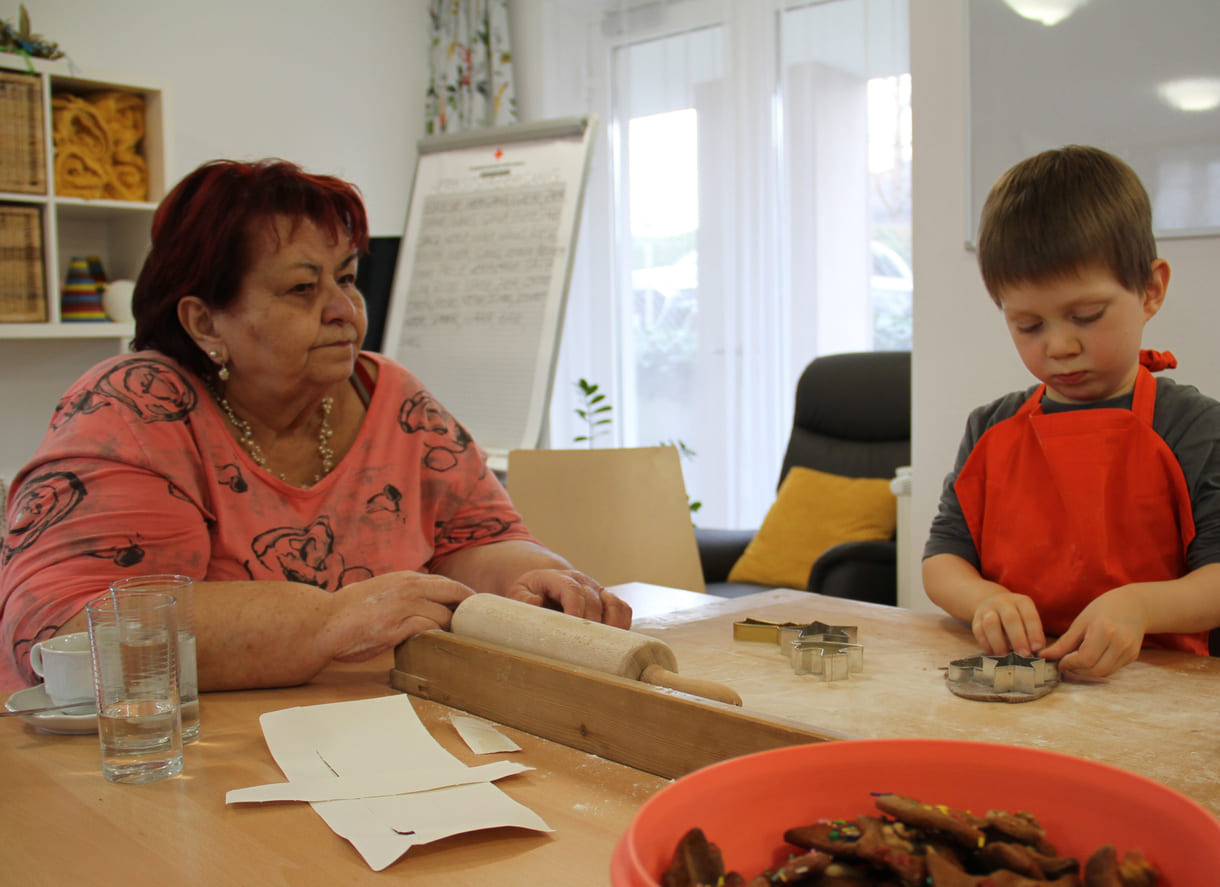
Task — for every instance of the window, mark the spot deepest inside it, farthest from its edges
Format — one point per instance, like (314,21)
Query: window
(658,172)
(748,211)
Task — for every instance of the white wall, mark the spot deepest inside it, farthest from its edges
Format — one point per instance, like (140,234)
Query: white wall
(962,355)
(335,87)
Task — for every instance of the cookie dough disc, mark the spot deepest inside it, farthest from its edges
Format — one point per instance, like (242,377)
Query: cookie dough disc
(986,693)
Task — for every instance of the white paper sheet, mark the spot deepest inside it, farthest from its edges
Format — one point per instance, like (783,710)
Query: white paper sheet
(366,738)
(481,737)
(340,788)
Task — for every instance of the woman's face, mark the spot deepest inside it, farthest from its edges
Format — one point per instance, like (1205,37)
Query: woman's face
(298,320)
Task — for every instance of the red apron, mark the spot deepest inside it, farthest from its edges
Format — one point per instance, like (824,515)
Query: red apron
(1065,506)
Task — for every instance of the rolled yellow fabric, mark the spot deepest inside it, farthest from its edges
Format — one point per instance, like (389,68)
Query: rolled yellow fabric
(124,117)
(78,173)
(97,141)
(128,177)
(76,122)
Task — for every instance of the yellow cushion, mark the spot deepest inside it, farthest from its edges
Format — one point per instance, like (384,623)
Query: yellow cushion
(813,511)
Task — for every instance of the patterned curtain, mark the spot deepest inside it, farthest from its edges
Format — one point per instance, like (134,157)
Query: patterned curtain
(471,82)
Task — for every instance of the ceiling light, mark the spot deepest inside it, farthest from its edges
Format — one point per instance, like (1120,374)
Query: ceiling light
(1048,12)
(1192,93)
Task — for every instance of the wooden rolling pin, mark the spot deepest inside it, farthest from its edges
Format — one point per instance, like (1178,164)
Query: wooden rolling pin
(576,641)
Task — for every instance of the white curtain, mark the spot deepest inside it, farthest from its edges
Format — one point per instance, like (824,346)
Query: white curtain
(471,79)
(731,220)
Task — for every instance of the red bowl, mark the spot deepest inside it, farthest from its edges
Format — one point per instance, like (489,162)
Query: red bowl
(745,804)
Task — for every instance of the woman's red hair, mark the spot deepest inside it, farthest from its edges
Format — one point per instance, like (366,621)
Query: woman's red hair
(203,234)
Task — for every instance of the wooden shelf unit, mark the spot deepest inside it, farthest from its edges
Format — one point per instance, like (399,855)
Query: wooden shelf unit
(116,231)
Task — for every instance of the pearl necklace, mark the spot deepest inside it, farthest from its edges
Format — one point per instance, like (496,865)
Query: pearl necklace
(247,440)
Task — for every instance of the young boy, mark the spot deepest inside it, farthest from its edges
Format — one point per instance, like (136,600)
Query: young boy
(1087,506)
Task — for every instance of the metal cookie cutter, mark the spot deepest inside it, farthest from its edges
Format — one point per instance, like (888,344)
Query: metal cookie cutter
(767,632)
(1010,678)
(831,651)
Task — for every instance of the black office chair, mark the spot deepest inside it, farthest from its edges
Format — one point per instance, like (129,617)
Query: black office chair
(852,418)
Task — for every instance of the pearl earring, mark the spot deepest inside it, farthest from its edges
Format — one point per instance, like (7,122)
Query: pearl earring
(223,372)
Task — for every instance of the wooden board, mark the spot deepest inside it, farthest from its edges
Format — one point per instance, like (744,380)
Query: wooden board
(659,731)
(1158,717)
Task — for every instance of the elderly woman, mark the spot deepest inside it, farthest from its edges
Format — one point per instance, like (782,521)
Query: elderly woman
(326,505)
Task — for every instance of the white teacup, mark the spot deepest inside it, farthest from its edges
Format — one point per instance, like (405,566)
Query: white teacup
(66,667)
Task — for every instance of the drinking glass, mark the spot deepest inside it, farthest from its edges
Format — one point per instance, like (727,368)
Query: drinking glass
(134,641)
(183,590)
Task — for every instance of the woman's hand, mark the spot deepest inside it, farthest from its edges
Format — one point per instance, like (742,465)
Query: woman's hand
(1106,635)
(525,571)
(574,593)
(1008,622)
(366,618)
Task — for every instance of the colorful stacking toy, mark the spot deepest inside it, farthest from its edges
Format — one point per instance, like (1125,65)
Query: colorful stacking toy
(81,298)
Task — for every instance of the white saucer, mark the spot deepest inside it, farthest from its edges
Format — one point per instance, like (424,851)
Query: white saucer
(49,721)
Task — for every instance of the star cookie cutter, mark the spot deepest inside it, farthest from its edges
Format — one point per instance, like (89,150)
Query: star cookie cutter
(820,631)
(1010,678)
(831,651)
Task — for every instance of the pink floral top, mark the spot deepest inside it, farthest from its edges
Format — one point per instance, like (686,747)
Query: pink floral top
(139,474)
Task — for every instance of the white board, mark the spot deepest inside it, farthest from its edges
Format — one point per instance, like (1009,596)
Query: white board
(479,290)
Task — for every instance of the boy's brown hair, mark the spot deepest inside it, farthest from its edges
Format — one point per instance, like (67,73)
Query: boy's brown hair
(1060,211)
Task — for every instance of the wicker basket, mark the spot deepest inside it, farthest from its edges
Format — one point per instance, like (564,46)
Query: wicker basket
(23,164)
(23,294)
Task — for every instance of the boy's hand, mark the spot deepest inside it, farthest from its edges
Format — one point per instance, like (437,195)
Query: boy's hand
(1008,622)
(1105,636)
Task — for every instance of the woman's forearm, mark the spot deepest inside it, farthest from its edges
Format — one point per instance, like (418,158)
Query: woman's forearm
(261,634)
(496,566)
(279,634)
(256,634)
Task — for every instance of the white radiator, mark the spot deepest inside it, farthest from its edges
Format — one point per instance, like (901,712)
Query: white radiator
(909,586)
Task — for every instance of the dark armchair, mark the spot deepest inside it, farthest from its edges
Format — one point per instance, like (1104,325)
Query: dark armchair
(852,418)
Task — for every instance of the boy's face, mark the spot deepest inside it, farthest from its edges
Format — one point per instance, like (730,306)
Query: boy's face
(1081,334)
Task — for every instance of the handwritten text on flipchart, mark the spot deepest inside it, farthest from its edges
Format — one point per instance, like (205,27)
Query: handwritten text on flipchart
(483,260)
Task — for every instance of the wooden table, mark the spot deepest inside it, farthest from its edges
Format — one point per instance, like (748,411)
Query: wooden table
(61,823)
(1158,716)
